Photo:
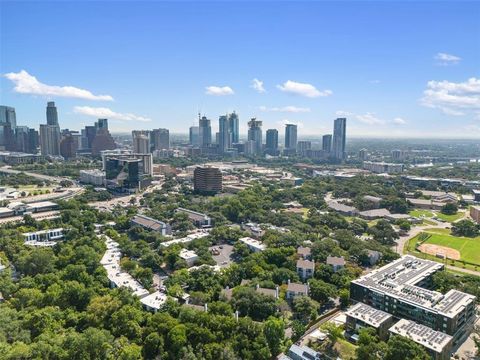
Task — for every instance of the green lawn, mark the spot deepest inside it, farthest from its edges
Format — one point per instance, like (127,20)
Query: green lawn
(469,248)
(421,213)
(450,218)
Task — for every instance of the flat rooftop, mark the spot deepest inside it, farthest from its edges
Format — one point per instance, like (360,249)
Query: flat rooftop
(253,243)
(368,314)
(186,239)
(399,280)
(421,334)
(154,300)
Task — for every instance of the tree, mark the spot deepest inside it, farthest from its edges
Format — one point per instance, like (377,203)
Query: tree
(274,331)
(465,228)
(344,295)
(322,291)
(449,208)
(383,232)
(305,308)
(334,332)
(401,348)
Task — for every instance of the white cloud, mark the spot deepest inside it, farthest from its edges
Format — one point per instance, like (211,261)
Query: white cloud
(288,109)
(452,98)
(258,86)
(219,90)
(303,89)
(28,84)
(375,81)
(447,59)
(370,119)
(286,121)
(101,112)
(343,113)
(399,121)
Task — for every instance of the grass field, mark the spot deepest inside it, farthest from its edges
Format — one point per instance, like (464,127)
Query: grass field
(469,248)
(450,218)
(421,213)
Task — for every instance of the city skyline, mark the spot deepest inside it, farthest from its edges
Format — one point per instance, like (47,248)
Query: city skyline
(306,76)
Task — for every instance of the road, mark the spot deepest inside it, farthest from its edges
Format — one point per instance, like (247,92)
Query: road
(54,179)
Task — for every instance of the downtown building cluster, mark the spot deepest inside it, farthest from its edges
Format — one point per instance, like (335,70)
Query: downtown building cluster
(25,144)
(226,141)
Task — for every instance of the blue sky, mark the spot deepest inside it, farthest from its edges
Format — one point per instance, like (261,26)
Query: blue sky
(393,69)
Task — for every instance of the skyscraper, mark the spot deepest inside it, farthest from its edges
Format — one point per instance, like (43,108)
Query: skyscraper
(160,139)
(8,123)
(303,147)
(8,115)
(49,140)
(52,115)
(327,143)
(194,136)
(339,138)
(271,147)
(204,131)
(224,134)
(234,127)
(254,143)
(141,144)
(50,132)
(290,138)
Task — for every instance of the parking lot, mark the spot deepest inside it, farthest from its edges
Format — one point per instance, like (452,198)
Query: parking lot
(223,258)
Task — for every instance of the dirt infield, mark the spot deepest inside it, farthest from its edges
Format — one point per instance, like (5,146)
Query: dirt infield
(435,250)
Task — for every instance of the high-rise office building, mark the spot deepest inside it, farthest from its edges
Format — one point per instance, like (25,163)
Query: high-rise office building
(271,146)
(207,180)
(69,145)
(8,115)
(49,140)
(224,134)
(102,124)
(327,143)
(204,131)
(160,139)
(194,136)
(254,143)
(339,139)
(50,135)
(141,142)
(234,127)
(303,147)
(291,137)
(103,140)
(363,154)
(52,115)
(8,123)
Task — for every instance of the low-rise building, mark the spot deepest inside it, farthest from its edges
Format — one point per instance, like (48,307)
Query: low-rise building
(304,252)
(151,224)
(305,269)
(94,177)
(253,244)
(199,219)
(426,204)
(297,352)
(336,262)
(296,289)
(374,214)
(43,238)
(361,315)
(189,256)
(154,301)
(437,344)
(374,200)
(342,208)
(475,213)
(383,167)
